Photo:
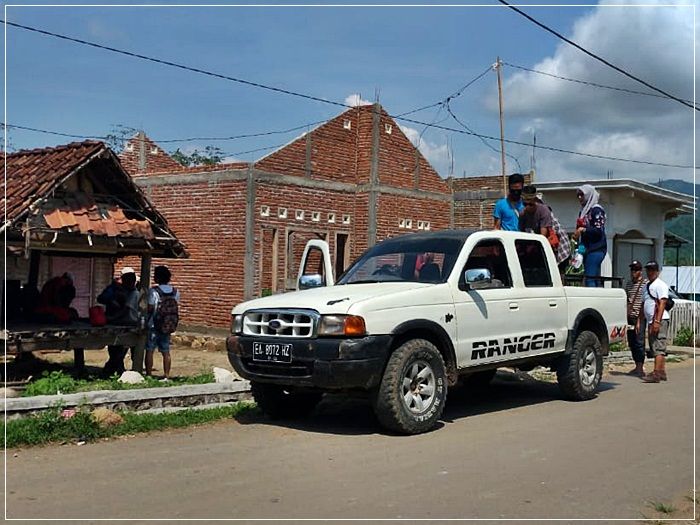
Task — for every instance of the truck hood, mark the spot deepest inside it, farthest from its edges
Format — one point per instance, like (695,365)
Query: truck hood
(329,299)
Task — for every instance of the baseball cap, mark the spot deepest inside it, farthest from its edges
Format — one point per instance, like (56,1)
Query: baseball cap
(652,265)
(529,193)
(127,269)
(636,265)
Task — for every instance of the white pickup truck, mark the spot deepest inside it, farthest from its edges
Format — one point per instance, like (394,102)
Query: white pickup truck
(415,312)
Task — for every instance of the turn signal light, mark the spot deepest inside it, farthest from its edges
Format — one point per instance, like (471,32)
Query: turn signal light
(355,325)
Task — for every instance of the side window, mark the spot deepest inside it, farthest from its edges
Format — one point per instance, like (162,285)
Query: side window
(491,255)
(533,263)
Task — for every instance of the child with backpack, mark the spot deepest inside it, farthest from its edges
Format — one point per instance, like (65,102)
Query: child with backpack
(163,316)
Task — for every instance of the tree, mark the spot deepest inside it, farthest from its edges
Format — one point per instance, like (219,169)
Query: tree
(211,155)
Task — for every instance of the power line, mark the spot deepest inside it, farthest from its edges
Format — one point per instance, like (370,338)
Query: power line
(175,64)
(593,55)
(326,101)
(550,148)
(589,83)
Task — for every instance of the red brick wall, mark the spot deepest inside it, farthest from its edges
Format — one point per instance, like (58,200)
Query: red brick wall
(209,218)
(393,208)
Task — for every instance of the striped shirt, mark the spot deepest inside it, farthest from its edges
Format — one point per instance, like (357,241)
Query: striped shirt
(635,298)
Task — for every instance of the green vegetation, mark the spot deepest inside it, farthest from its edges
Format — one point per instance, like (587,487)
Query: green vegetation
(618,347)
(211,155)
(684,337)
(52,383)
(52,427)
(662,507)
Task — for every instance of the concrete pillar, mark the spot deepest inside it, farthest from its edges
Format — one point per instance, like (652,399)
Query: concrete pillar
(249,260)
(373,178)
(142,151)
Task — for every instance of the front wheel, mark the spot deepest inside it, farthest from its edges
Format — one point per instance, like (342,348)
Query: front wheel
(579,372)
(413,390)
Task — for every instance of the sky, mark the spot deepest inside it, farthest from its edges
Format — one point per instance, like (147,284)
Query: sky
(406,57)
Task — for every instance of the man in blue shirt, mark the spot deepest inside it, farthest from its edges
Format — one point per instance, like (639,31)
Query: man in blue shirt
(507,211)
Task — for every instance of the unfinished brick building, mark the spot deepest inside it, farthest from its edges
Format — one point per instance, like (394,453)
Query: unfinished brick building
(352,181)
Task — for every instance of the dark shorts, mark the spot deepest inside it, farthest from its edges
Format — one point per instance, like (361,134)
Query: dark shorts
(159,341)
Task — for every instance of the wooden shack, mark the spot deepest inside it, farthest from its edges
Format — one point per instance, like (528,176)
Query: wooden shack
(73,209)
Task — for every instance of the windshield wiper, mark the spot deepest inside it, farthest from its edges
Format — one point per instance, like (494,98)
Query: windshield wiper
(365,281)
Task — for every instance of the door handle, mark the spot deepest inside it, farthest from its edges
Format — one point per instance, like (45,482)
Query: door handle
(513,306)
(553,304)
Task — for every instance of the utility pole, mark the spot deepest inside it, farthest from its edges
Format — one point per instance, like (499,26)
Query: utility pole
(498,66)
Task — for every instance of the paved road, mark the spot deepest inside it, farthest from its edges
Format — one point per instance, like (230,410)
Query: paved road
(515,450)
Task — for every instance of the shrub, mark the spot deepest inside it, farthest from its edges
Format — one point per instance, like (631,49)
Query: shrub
(52,383)
(684,337)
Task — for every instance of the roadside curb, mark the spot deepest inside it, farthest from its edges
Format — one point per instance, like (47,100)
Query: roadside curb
(185,396)
(685,350)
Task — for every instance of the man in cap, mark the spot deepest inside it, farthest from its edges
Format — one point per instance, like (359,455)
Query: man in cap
(655,298)
(635,290)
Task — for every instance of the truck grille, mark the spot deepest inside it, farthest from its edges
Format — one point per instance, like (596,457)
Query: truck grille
(280,323)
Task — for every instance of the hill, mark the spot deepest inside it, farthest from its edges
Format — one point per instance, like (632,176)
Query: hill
(683,225)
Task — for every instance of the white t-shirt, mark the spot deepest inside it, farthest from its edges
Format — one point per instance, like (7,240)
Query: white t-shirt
(659,290)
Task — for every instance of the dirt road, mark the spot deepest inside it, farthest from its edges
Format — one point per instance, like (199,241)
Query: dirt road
(514,450)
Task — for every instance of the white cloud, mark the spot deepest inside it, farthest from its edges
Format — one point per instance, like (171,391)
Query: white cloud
(438,155)
(356,100)
(654,43)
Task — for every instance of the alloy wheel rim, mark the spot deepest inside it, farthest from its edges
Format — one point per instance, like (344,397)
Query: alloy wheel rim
(418,387)
(587,368)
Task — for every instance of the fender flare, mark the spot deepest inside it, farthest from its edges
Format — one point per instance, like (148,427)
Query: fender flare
(585,314)
(435,329)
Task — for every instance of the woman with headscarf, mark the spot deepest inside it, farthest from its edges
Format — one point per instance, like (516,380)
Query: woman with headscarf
(590,232)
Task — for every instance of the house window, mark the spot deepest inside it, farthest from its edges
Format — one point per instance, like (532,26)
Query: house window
(282,213)
(315,216)
(402,223)
(154,150)
(264,211)
(346,219)
(347,124)
(129,147)
(388,128)
(421,225)
(331,217)
(426,225)
(409,224)
(299,215)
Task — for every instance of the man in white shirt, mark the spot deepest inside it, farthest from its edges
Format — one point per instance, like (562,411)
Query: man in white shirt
(655,298)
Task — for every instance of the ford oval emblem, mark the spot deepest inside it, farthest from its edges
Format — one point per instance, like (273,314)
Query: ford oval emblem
(275,324)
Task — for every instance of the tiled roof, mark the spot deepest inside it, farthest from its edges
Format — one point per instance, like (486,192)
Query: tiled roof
(156,159)
(34,173)
(81,213)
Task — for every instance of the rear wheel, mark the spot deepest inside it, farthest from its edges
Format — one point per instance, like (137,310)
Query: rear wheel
(579,372)
(278,402)
(413,390)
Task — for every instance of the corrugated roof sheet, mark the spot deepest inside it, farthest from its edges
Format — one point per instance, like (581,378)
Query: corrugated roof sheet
(686,284)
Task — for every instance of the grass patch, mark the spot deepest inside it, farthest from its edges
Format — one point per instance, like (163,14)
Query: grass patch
(51,383)
(618,347)
(663,508)
(51,427)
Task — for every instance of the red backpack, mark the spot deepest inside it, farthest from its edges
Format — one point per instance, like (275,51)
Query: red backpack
(167,315)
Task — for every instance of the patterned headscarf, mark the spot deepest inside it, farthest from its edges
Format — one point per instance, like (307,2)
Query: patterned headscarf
(591,196)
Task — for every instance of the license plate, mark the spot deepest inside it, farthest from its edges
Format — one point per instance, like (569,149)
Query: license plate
(274,352)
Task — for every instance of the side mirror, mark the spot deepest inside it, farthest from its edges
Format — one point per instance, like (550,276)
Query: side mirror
(477,278)
(310,281)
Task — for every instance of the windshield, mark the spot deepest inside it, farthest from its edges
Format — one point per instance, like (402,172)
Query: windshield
(426,260)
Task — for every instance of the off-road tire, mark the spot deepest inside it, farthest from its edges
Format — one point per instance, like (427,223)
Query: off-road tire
(579,372)
(277,402)
(390,406)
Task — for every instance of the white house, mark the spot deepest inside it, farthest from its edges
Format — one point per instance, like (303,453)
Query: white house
(635,211)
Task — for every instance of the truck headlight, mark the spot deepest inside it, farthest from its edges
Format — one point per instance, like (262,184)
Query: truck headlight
(236,324)
(349,325)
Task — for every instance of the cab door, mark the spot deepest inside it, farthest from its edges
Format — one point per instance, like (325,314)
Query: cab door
(488,310)
(542,300)
(316,267)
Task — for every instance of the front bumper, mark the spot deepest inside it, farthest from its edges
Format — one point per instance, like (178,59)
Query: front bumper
(325,363)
